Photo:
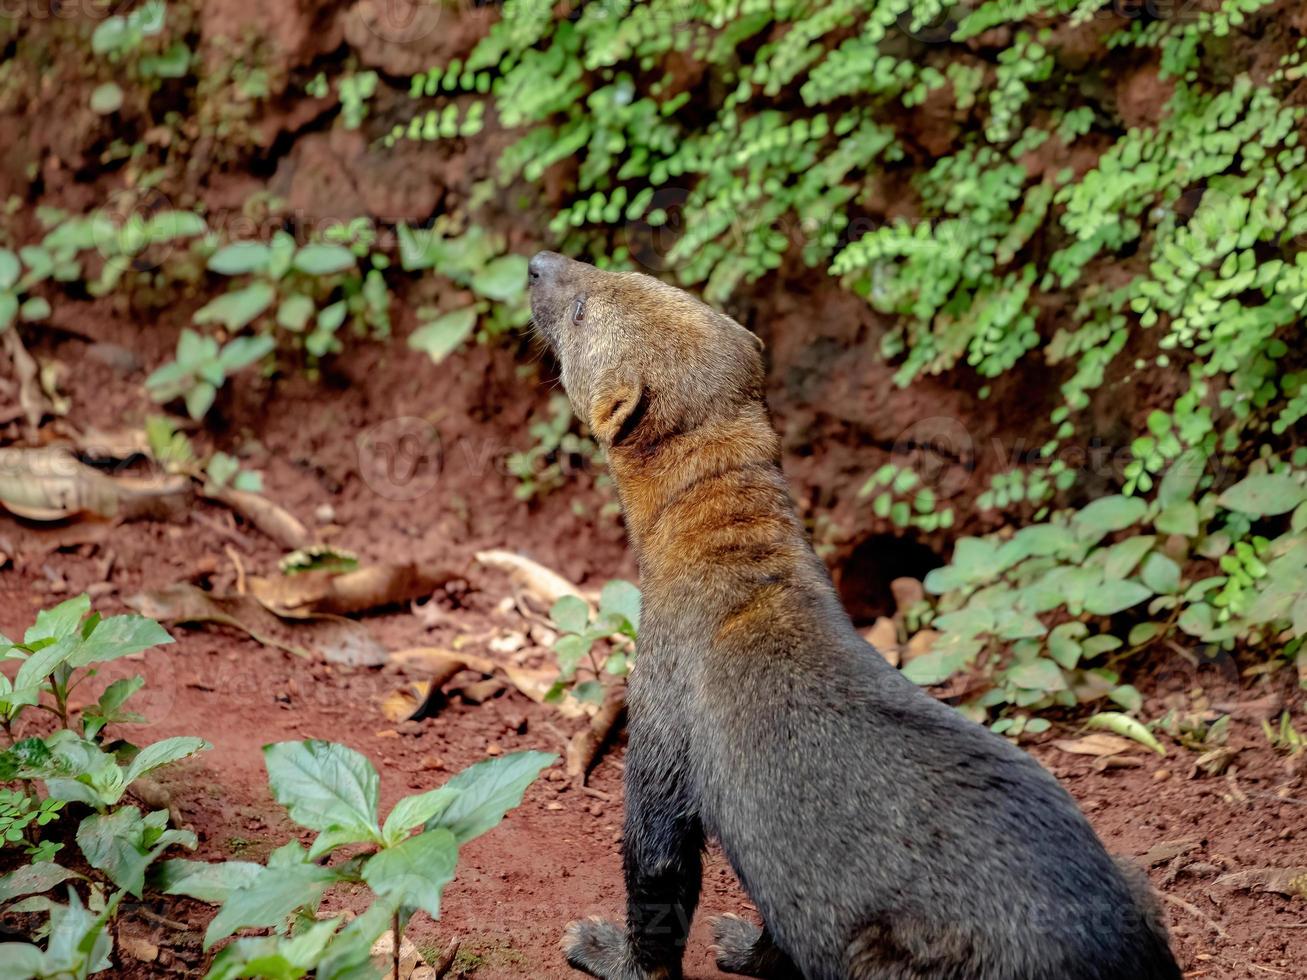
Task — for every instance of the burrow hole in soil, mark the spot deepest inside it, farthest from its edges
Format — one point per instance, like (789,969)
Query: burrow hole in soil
(865,574)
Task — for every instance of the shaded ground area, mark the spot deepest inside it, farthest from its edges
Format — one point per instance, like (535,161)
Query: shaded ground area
(557,856)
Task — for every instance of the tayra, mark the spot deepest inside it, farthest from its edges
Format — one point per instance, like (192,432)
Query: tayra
(880,834)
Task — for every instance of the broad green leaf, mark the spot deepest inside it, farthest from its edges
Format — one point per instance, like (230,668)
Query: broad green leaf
(1264,495)
(241,352)
(122,844)
(623,598)
(106,99)
(32,879)
(168,225)
(502,280)
(1160,574)
(440,337)
(239,258)
(21,961)
(78,944)
(294,312)
(329,840)
(1197,620)
(237,308)
(325,786)
(1063,643)
(63,620)
(10,269)
(1179,518)
(321,259)
(934,667)
(416,870)
(1108,514)
(1120,559)
(274,957)
(413,811)
(268,900)
(1037,675)
(119,636)
(1127,697)
(487,791)
(1181,479)
(161,753)
(1114,596)
(570,614)
(207,881)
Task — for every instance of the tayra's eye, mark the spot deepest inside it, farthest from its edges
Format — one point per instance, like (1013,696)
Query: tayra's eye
(578,310)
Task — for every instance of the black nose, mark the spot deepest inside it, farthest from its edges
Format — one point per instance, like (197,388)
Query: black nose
(544,266)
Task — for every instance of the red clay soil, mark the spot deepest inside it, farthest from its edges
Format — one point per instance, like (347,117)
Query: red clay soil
(557,856)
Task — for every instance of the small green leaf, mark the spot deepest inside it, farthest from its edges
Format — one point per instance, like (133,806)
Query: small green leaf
(440,337)
(294,312)
(1037,675)
(162,753)
(106,99)
(323,260)
(237,308)
(1126,727)
(1179,518)
(1112,597)
(623,598)
(239,258)
(32,879)
(570,614)
(1160,574)
(1264,495)
(1108,514)
(10,269)
(209,882)
(502,280)
(413,811)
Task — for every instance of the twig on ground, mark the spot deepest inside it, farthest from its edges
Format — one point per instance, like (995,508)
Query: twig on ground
(238,565)
(1198,914)
(446,961)
(584,747)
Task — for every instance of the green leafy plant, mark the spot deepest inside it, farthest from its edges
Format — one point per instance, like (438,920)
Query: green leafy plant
(202,367)
(134,41)
(603,641)
(16,300)
(404,861)
(76,767)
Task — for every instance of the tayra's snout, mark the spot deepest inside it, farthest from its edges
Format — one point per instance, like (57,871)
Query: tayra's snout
(545,268)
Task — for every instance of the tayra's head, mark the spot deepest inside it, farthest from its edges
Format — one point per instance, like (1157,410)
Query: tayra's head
(641,360)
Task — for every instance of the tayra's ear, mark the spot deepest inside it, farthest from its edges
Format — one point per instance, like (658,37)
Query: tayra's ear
(617,409)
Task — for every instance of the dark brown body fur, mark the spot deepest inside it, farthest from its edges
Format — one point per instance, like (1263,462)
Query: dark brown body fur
(881,835)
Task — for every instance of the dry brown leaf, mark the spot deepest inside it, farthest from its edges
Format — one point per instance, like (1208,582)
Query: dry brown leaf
(535,684)
(584,747)
(401,703)
(544,583)
(921,643)
(334,639)
(30,397)
(273,520)
(1169,850)
(343,593)
(51,484)
(884,636)
(411,964)
(437,660)
(907,593)
(1282,881)
(1097,743)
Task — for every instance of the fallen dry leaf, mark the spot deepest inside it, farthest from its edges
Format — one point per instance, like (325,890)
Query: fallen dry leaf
(401,703)
(922,642)
(1282,881)
(30,397)
(884,636)
(334,639)
(51,484)
(270,518)
(584,747)
(411,964)
(1169,850)
(544,583)
(1098,743)
(343,593)
(907,593)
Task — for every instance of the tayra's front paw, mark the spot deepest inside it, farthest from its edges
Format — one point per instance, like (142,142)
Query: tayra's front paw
(743,948)
(598,947)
